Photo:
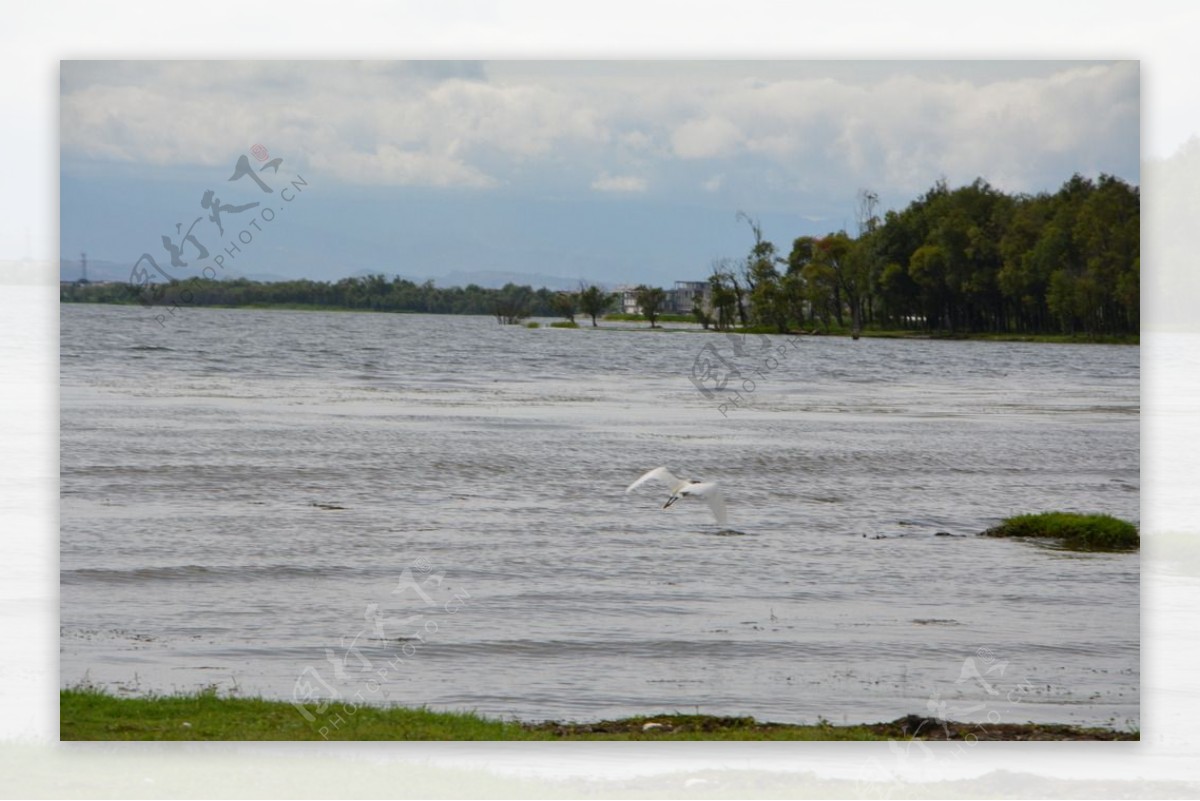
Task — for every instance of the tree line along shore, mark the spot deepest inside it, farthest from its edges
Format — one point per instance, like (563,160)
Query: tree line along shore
(966,261)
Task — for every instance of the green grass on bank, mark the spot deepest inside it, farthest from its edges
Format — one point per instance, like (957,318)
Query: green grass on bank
(91,714)
(1075,531)
(86,714)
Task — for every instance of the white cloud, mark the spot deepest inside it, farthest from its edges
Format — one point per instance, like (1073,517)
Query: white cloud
(389,165)
(826,128)
(619,183)
(637,140)
(710,137)
(905,130)
(365,122)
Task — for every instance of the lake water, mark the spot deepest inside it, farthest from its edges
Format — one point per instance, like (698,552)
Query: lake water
(430,510)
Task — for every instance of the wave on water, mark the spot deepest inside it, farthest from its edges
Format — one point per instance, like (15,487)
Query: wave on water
(214,573)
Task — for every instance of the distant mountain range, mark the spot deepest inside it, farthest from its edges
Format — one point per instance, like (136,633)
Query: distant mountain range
(101,270)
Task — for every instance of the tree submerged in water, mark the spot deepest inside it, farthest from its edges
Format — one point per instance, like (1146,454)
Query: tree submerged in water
(593,301)
(513,304)
(650,300)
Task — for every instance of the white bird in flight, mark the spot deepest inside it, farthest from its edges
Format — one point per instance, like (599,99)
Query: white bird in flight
(683,488)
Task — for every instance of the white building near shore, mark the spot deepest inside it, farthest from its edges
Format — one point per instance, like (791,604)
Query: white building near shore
(681,298)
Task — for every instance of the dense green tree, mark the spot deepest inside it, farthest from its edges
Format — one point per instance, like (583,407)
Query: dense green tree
(650,300)
(1020,280)
(795,282)
(768,301)
(722,298)
(565,304)
(512,304)
(594,302)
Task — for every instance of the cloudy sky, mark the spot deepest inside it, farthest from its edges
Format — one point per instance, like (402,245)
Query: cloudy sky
(614,171)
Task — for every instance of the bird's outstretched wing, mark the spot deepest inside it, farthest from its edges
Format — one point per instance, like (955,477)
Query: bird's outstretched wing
(711,492)
(660,473)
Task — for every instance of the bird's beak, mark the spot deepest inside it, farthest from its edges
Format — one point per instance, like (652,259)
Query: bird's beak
(670,501)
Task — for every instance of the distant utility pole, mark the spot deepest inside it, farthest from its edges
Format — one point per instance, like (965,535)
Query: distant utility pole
(83,266)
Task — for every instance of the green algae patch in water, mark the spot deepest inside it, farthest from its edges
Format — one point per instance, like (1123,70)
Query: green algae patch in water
(1075,531)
